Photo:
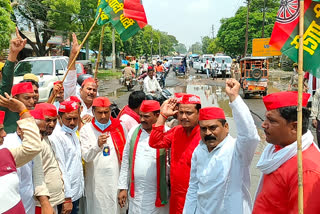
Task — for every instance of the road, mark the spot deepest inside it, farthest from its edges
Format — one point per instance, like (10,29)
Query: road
(212,93)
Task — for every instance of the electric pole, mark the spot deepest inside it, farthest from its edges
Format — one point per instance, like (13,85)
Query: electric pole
(212,31)
(264,17)
(247,26)
(113,50)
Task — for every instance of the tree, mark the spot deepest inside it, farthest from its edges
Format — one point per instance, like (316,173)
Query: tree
(181,48)
(205,44)
(6,25)
(196,48)
(46,17)
(213,47)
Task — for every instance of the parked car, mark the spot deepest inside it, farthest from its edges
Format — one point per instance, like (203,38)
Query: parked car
(47,69)
(80,69)
(227,60)
(199,64)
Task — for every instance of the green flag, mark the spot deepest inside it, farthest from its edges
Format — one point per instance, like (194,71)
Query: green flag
(113,11)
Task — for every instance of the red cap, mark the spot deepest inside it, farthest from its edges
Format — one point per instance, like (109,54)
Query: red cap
(2,114)
(150,68)
(22,88)
(190,99)
(284,99)
(74,99)
(90,79)
(37,114)
(211,113)
(47,108)
(179,96)
(68,106)
(149,106)
(101,102)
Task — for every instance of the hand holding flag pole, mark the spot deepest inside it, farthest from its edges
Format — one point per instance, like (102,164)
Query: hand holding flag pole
(52,97)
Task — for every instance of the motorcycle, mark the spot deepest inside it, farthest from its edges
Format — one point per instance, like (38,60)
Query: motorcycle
(160,97)
(128,82)
(180,70)
(161,78)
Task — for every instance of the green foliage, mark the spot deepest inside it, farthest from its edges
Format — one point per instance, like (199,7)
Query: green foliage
(196,48)
(6,25)
(181,48)
(231,35)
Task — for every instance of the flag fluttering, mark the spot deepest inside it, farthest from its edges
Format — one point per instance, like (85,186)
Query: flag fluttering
(285,34)
(113,11)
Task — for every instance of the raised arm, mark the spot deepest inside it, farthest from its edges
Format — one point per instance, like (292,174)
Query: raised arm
(247,138)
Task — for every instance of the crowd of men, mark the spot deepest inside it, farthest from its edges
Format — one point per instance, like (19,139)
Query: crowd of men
(73,157)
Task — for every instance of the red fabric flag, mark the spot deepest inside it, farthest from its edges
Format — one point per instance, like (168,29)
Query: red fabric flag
(134,9)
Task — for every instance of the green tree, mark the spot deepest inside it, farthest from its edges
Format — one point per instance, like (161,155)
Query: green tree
(213,47)
(196,48)
(205,44)
(46,17)
(6,25)
(181,48)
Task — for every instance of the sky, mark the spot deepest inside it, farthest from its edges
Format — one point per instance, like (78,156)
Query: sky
(189,20)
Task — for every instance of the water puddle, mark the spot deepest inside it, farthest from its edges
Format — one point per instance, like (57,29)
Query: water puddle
(115,94)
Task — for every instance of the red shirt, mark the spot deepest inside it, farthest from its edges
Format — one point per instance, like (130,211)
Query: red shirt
(182,147)
(279,193)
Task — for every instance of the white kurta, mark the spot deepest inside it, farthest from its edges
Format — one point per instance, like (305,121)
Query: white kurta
(128,121)
(145,176)
(220,180)
(24,173)
(68,153)
(151,85)
(102,173)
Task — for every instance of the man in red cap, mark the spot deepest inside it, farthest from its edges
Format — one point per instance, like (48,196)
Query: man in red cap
(10,202)
(68,153)
(52,173)
(278,162)
(24,93)
(220,178)
(102,144)
(143,168)
(182,140)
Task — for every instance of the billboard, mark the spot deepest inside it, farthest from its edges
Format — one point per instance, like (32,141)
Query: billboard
(261,47)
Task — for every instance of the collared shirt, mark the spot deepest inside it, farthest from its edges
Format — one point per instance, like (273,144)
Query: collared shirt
(151,85)
(68,153)
(24,173)
(145,176)
(223,66)
(220,179)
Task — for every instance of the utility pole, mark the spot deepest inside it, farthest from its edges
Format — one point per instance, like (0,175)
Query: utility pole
(113,50)
(264,17)
(159,48)
(247,26)
(212,31)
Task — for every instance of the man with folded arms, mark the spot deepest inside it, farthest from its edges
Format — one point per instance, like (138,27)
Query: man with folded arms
(220,178)
(182,140)
(143,168)
(278,187)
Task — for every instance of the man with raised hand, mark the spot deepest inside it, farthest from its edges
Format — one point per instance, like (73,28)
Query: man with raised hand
(102,144)
(220,177)
(182,140)
(278,187)
(143,168)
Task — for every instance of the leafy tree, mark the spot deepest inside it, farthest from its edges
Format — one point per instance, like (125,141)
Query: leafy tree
(6,25)
(46,17)
(196,48)
(205,44)
(213,47)
(181,48)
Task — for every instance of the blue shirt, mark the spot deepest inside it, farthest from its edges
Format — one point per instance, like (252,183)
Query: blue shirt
(137,65)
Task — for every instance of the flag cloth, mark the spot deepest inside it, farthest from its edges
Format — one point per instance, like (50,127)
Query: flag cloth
(285,34)
(113,11)
(134,9)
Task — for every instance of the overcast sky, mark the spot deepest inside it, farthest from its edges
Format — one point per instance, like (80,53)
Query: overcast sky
(188,20)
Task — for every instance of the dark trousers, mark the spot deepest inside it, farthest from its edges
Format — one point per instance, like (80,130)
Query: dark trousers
(223,72)
(75,207)
(318,132)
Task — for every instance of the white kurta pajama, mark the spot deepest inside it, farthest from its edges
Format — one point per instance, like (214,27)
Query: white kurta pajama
(68,153)
(102,173)
(145,176)
(220,180)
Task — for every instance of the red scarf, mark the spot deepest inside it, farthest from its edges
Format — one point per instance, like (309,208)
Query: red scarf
(127,110)
(117,135)
(161,198)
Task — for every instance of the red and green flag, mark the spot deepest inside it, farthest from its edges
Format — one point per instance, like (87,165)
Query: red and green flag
(285,35)
(114,11)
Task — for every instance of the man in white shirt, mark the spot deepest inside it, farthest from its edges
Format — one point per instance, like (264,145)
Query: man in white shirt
(143,168)
(214,66)
(68,153)
(129,115)
(151,85)
(102,144)
(220,177)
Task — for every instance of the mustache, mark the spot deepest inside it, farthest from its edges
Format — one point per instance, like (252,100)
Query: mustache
(209,137)
(144,123)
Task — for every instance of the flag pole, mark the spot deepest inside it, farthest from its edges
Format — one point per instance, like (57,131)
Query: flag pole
(99,54)
(52,97)
(300,91)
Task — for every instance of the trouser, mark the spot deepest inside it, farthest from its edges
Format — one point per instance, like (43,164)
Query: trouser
(137,72)
(318,132)
(213,73)
(223,72)
(237,76)
(75,207)
(208,72)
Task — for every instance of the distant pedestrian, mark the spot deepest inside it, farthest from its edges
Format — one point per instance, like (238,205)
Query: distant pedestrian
(223,69)
(136,65)
(208,67)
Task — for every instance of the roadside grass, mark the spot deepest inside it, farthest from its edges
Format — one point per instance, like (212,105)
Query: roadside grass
(109,74)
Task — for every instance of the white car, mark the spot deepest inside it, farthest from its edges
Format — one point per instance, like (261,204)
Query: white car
(227,60)
(47,69)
